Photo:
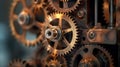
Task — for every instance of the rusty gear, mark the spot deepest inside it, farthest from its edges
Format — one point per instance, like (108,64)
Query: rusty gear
(67,5)
(55,61)
(25,20)
(92,56)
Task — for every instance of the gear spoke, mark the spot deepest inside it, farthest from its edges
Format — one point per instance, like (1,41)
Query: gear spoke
(82,53)
(66,41)
(39,25)
(24,34)
(15,16)
(55,45)
(65,4)
(60,22)
(23,3)
(67,30)
(90,50)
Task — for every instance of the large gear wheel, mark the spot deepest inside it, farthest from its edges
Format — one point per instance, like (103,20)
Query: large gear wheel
(92,56)
(24,21)
(61,34)
(17,63)
(64,5)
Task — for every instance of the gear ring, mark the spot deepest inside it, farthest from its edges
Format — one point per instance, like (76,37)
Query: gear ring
(17,63)
(26,20)
(86,56)
(66,6)
(57,41)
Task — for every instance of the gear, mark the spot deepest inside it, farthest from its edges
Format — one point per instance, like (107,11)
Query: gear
(17,63)
(24,22)
(61,34)
(64,5)
(106,10)
(55,61)
(92,56)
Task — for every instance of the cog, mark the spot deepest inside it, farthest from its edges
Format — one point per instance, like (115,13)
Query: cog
(92,56)
(24,21)
(17,63)
(64,5)
(60,34)
(106,10)
(55,61)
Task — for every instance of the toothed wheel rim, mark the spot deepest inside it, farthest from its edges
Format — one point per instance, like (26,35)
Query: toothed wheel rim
(86,56)
(21,20)
(17,63)
(67,7)
(66,25)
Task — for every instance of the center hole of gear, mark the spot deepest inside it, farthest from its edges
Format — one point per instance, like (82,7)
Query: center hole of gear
(23,18)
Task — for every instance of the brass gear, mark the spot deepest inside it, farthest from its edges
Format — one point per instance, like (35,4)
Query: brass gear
(92,56)
(17,63)
(66,7)
(25,20)
(56,40)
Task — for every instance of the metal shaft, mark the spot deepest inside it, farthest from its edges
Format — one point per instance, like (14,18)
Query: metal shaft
(111,13)
(96,12)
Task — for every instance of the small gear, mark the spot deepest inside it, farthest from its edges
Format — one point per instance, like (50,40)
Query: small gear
(55,61)
(64,5)
(60,34)
(92,56)
(17,63)
(106,10)
(24,22)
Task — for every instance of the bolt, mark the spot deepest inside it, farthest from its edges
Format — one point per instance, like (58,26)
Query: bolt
(92,35)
